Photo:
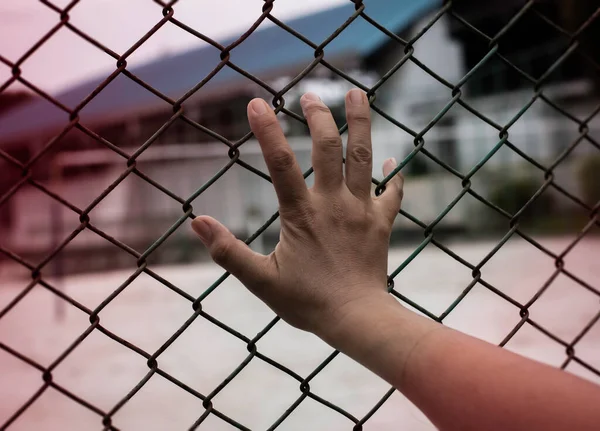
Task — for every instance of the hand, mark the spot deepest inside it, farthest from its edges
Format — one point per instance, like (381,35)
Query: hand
(332,253)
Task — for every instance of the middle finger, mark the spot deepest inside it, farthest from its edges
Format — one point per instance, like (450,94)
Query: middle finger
(327,143)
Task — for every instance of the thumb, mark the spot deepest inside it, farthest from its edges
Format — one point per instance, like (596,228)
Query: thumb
(229,252)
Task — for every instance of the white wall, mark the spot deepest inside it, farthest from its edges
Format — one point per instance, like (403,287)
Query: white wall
(410,84)
(135,211)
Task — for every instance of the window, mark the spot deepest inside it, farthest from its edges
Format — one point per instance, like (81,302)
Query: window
(115,133)
(20,151)
(10,175)
(76,171)
(75,140)
(150,124)
(447,150)
(178,132)
(228,118)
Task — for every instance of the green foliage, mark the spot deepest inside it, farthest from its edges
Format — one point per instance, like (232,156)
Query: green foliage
(417,166)
(512,194)
(589,180)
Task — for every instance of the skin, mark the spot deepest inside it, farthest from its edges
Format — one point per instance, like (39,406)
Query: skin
(328,276)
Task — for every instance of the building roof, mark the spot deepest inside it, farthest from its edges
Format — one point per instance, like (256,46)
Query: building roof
(268,50)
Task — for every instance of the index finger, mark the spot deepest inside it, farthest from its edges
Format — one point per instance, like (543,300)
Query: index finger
(280,159)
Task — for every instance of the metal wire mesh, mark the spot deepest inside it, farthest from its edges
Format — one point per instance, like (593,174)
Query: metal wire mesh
(233,149)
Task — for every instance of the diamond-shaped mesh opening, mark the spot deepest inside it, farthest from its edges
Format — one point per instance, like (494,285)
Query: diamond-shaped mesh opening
(150,325)
(134,414)
(397,408)
(311,413)
(80,373)
(41,345)
(565,294)
(438,292)
(45,58)
(532,343)
(520,282)
(587,350)
(253,315)
(349,385)
(282,343)
(262,379)
(492,116)
(41,20)
(19,381)
(60,405)
(130,200)
(202,367)
(495,316)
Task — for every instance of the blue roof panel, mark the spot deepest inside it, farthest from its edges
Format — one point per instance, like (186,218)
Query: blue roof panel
(268,49)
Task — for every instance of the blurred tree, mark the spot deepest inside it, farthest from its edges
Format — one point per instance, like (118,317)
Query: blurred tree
(530,39)
(512,194)
(571,16)
(418,166)
(588,180)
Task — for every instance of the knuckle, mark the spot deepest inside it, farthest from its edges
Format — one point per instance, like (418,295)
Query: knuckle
(360,155)
(357,221)
(361,118)
(281,160)
(333,141)
(302,218)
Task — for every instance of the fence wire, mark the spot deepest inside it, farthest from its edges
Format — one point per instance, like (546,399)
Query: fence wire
(129,163)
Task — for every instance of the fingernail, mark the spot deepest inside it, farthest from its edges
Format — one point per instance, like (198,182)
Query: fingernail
(309,97)
(356,96)
(202,229)
(394,162)
(258,106)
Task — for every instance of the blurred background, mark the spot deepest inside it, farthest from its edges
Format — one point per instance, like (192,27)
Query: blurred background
(183,158)
(543,89)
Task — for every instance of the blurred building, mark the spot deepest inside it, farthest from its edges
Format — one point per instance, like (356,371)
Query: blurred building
(183,157)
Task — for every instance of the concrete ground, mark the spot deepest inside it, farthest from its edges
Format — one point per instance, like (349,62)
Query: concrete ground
(102,371)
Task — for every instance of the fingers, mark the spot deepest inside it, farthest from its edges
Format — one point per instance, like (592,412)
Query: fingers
(359,164)
(284,170)
(327,143)
(231,253)
(390,200)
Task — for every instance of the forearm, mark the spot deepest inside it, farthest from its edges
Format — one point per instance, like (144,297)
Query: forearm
(461,382)
(381,335)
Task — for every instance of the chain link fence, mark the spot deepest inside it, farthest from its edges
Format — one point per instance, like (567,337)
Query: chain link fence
(41,271)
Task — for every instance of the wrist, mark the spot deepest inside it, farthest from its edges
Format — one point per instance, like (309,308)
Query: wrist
(379,333)
(356,316)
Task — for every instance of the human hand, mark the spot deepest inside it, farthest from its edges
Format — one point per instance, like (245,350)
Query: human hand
(332,253)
